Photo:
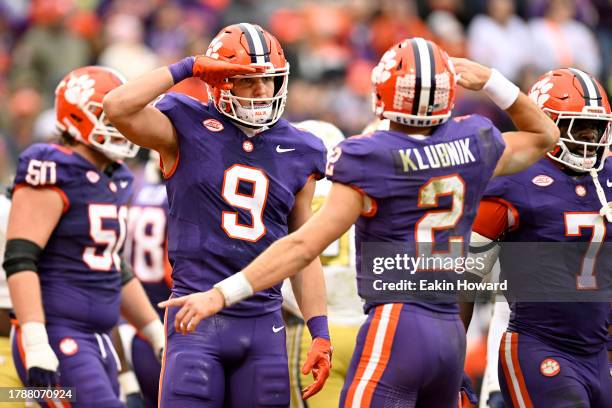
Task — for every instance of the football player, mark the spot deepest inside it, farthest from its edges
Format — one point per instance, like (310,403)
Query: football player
(553,354)
(147,253)
(238,178)
(395,188)
(344,307)
(65,237)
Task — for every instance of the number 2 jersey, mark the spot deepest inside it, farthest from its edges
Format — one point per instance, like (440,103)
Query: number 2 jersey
(230,196)
(557,215)
(421,188)
(80,266)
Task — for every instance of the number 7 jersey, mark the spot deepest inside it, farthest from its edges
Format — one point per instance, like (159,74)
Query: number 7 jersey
(420,189)
(79,269)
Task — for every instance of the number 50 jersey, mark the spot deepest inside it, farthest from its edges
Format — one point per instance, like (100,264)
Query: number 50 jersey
(79,267)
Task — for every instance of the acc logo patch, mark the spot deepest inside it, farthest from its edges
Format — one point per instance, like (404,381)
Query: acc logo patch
(68,346)
(550,367)
(92,176)
(581,190)
(213,125)
(247,146)
(542,180)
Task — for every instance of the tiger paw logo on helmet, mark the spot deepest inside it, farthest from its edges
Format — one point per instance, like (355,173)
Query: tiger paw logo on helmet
(382,72)
(539,91)
(214,46)
(79,90)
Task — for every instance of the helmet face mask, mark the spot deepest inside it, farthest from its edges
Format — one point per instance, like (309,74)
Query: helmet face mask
(249,44)
(78,106)
(578,105)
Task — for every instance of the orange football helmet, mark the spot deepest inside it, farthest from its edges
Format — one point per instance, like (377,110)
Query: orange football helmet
(569,95)
(414,84)
(78,110)
(249,44)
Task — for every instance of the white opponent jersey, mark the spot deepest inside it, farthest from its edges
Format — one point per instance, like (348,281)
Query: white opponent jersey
(344,307)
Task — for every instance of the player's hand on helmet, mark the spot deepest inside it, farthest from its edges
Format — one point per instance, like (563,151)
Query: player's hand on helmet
(41,362)
(194,308)
(319,362)
(214,72)
(471,75)
(496,400)
(467,391)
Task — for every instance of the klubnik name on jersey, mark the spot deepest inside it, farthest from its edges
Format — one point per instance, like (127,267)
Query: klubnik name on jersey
(436,156)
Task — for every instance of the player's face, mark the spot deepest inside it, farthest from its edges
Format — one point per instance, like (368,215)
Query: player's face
(253,87)
(583,130)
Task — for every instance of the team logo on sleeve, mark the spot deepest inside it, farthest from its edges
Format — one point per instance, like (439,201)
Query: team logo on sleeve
(213,125)
(68,346)
(542,180)
(550,367)
(581,190)
(112,186)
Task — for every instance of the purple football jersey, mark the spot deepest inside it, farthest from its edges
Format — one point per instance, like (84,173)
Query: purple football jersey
(426,188)
(146,245)
(79,268)
(553,206)
(230,196)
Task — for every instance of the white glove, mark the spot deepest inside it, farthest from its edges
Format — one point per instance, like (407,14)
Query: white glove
(41,361)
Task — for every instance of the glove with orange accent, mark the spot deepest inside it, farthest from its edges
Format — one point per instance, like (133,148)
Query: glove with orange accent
(319,356)
(467,391)
(319,362)
(210,70)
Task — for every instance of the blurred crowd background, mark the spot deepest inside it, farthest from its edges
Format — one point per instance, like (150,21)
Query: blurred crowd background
(331,45)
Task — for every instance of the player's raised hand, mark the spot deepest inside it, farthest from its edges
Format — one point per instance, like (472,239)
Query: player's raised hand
(41,362)
(471,75)
(214,71)
(194,308)
(319,362)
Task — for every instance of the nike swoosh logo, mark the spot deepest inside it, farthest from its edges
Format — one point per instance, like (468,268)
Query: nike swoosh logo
(281,150)
(277,329)
(608,183)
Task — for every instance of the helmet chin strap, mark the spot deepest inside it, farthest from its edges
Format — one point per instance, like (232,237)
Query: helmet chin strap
(606,209)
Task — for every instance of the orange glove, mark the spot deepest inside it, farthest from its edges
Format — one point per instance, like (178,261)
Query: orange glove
(319,361)
(214,71)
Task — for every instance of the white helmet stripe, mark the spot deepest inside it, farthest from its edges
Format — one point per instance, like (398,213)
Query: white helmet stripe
(255,41)
(588,86)
(426,75)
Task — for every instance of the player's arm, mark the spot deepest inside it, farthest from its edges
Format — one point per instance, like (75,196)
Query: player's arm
(33,217)
(129,108)
(282,259)
(138,311)
(309,283)
(309,289)
(537,133)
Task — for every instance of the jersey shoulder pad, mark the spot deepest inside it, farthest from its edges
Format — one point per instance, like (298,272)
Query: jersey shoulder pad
(354,162)
(47,165)
(171,101)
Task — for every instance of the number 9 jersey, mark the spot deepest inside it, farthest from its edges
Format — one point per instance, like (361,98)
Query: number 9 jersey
(80,266)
